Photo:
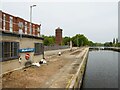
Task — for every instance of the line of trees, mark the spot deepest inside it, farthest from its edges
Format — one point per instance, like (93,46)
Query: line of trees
(114,43)
(49,40)
(79,40)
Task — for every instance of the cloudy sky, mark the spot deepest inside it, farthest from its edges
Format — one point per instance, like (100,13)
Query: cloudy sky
(96,19)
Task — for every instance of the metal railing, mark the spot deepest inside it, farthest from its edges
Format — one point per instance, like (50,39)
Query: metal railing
(46,48)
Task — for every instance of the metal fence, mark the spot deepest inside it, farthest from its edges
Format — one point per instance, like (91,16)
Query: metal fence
(46,48)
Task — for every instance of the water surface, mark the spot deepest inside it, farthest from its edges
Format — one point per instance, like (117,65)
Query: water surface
(101,70)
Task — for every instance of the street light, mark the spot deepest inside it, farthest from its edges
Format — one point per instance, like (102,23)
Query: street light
(31,18)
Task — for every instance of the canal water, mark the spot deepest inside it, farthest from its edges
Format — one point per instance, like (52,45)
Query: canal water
(101,70)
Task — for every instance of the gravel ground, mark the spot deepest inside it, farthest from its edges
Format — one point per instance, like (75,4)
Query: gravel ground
(36,77)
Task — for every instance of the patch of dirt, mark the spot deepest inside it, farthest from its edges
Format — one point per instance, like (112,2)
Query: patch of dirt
(33,77)
(74,69)
(76,52)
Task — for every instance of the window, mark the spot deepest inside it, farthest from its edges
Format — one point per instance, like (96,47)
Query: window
(33,29)
(9,50)
(25,27)
(11,24)
(4,21)
(39,48)
(38,30)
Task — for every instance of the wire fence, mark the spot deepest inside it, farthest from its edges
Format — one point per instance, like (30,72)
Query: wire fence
(47,48)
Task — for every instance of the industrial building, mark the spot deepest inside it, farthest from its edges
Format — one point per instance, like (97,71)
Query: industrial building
(18,38)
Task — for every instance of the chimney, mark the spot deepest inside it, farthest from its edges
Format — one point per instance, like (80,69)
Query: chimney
(58,36)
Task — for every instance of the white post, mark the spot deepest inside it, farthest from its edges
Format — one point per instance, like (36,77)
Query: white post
(70,45)
(31,18)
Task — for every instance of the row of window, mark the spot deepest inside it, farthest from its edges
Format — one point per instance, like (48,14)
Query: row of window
(10,50)
(11,25)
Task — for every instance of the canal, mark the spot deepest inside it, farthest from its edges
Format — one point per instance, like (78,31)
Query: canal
(101,70)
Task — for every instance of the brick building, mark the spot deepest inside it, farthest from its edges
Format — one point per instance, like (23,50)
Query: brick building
(58,36)
(10,23)
(17,40)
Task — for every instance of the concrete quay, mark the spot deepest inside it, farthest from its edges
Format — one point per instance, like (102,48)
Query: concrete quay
(71,75)
(65,71)
(12,65)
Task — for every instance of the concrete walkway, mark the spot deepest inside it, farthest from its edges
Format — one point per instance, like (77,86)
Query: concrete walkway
(64,76)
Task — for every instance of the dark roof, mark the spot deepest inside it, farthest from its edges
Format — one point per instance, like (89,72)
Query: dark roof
(4,33)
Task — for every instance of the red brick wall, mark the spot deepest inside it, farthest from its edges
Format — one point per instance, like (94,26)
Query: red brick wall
(32,30)
(16,20)
(23,21)
(15,25)
(36,30)
(28,27)
(7,19)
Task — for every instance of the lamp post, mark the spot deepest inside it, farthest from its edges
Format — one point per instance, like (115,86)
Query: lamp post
(31,18)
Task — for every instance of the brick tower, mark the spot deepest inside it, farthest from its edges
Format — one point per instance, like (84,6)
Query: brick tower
(58,36)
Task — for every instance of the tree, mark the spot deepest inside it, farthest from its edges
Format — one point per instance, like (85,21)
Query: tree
(114,41)
(80,40)
(49,40)
(108,44)
(118,44)
(90,43)
(66,40)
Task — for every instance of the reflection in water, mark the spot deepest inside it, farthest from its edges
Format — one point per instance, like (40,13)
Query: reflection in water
(101,70)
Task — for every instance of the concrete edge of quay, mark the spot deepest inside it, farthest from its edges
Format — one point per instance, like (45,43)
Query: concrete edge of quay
(77,79)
